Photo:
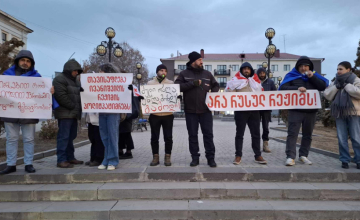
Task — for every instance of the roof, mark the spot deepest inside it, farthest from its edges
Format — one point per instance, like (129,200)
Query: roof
(16,21)
(236,56)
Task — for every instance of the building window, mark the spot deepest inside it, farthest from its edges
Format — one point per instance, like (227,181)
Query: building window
(208,68)
(3,37)
(221,69)
(182,67)
(274,68)
(235,67)
(222,81)
(287,67)
(258,66)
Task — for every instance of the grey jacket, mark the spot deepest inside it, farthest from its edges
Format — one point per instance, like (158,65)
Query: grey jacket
(67,92)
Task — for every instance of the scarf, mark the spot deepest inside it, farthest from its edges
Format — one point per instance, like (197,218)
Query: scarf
(294,74)
(239,82)
(342,106)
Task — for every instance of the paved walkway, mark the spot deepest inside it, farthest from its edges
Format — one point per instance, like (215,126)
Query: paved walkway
(224,138)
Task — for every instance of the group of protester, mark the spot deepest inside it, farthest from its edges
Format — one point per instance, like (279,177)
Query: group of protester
(110,133)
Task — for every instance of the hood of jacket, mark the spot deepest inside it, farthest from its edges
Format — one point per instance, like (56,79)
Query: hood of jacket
(25,54)
(70,66)
(302,60)
(246,64)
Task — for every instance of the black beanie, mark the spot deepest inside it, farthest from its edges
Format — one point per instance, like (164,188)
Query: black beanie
(304,60)
(160,67)
(193,56)
(260,70)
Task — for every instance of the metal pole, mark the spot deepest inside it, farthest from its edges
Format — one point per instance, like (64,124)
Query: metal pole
(268,73)
(138,80)
(110,47)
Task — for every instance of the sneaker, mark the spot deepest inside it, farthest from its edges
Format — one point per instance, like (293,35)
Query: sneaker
(260,160)
(305,160)
(290,162)
(101,167)
(111,167)
(237,160)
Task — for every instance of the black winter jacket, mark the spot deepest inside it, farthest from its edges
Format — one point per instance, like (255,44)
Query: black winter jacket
(67,92)
(194,96)
(268,85)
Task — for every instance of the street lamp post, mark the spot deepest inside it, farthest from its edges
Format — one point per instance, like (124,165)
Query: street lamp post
(111,45)
(271,48)
(277,86)
(138,75)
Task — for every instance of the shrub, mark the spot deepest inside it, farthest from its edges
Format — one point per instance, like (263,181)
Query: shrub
(49,129)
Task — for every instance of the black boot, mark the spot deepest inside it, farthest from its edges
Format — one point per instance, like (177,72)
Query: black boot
(30,169)
(194,162)
(8,169)
(211,163)
(358,165)
(127,155)
(345,165)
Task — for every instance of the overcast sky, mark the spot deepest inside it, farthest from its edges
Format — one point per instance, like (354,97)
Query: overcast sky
(323,28)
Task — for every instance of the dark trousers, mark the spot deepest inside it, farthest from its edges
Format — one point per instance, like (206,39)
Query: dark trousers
(167,125)
(265,117)
(296,119)
(252,119)
(125,142)
(97,147)
(206,124)
(65,137)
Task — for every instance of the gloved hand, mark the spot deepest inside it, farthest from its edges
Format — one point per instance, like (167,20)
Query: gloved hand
(196,82)
(81,89)
(141,97)
(180,97)
(130,87)
(339,85)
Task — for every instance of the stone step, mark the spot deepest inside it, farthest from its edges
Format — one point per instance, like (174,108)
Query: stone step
(185,174)
(180,191)
(182,209)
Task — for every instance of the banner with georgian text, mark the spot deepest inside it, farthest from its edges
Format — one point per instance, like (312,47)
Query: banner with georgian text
(106,92)
(25,97)
(270,100)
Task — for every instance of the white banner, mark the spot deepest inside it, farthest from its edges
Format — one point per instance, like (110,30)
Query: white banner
(25,97)
(106,92)
(246,101)
(160,98)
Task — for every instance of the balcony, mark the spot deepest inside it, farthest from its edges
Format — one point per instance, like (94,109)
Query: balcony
(222,72)
(222,84)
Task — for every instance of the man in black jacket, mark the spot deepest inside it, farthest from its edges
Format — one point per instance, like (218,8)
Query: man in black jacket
(301,78)
(195,82)
(67,94)
(265,115)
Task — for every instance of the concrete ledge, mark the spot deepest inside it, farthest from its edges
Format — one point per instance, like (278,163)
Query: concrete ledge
(40,155)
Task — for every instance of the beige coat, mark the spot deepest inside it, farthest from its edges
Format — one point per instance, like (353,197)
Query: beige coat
(352,89)
(247,88)
(154,81)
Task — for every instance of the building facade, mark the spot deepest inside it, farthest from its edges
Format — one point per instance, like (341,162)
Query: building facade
(11,27)
(225,66)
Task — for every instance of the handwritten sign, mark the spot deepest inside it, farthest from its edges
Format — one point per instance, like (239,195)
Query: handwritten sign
(25,97)
(106,92)
(246,101)
(160,98)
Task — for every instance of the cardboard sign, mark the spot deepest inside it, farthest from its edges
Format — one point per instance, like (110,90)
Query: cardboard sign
(106,92)
(246,101)
(25,97)
(160,98)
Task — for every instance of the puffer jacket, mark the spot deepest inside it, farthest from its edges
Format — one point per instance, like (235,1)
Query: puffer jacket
(67,92)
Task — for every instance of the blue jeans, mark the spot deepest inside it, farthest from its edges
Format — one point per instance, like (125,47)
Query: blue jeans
(109,132)
(12,138)
(66,135)
(345,127)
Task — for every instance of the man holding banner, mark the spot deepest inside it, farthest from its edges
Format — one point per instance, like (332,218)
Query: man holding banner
(195,83)
(164,120)
(24,65)
(246,81)
(302,78)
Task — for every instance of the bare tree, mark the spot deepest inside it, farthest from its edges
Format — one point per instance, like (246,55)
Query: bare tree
(6,50)
(125,63)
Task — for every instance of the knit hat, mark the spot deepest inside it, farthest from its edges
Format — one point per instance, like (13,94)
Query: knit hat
(193,56)
(160,67)
(260,70)
(304,60)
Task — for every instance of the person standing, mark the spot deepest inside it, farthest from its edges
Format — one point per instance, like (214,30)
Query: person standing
(164,120)
(302,77)
(67,94)
(195,83)
(97,147)
(345,108)
(246,81)
(109,130)
(265,115)
(24,65)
